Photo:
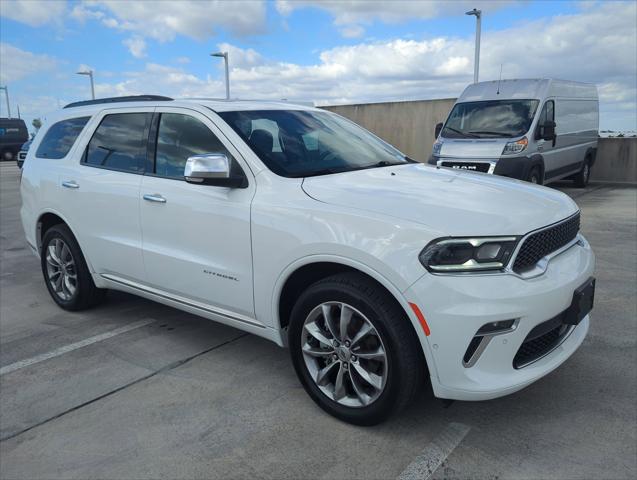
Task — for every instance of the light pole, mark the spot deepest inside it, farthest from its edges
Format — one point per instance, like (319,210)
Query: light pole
(476,59)
(6,94)
(225,57)
(90,75)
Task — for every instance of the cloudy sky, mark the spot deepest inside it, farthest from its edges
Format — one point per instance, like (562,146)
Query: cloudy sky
(328,52)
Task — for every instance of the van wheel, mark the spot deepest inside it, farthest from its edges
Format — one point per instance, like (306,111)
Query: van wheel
(354,350)
(65,272)
(535,176)
(584,175)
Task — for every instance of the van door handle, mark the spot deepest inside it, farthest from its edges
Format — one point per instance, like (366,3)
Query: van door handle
(155,197)
(70,184)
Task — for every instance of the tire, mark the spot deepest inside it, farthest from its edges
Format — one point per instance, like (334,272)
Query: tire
(402,371)
(582,178)
(535,176)
(73,287)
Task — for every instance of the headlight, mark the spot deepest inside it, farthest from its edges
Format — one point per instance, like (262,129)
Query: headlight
(515,147)
(467,254)
(437,146)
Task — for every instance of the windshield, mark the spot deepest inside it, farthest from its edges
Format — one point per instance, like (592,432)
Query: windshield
(490,119)
(295,143)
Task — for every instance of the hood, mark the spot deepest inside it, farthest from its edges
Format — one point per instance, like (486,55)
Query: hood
(452,202)
(473,148)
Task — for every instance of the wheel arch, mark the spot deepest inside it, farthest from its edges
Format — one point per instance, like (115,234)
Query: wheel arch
(537,160)
(301,274)
(48,219)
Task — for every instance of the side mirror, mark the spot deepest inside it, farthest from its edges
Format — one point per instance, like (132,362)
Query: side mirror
(213,169)
(547,130)
(438,129)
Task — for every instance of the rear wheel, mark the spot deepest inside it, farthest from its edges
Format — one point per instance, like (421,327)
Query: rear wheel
(65,271)
(354,349)
(535,176)
(584,175)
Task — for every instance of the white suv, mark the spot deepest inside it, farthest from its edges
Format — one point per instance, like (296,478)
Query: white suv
(296,225)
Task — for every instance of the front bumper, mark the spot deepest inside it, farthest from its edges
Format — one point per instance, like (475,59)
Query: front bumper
(456,306)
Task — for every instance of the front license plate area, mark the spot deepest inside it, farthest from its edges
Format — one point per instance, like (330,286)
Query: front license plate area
(582,303)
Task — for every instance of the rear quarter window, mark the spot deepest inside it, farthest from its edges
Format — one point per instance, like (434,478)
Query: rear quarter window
(60,137)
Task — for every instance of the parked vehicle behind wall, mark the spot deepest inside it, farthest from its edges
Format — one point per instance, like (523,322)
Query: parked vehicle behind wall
(539,130)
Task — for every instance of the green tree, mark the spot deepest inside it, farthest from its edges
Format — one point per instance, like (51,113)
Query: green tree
(37,123)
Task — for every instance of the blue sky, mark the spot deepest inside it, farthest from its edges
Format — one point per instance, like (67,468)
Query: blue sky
(327,52)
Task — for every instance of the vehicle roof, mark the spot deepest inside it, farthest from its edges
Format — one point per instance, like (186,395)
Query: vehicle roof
(527,88)
(217,105)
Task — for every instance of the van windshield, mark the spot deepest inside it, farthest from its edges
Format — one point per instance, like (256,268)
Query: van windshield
(298,143)
(490,119)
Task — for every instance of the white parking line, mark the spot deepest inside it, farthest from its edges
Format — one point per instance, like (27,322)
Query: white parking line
(73,346)
(425,464)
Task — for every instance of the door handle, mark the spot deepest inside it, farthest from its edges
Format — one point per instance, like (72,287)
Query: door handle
(70,184)
(155,197)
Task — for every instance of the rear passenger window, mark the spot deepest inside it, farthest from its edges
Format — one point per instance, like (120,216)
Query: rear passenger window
(179,137)
(119,143)
(59,139)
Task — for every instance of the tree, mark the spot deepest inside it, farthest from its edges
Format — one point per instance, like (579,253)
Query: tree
(37,123)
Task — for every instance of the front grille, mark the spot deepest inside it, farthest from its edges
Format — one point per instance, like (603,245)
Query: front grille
(546,241)
(540,341)
(470,166)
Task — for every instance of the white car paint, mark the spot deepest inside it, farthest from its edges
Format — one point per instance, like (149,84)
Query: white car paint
(226,254)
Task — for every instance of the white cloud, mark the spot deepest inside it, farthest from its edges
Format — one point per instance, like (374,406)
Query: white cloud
(560,47)
(162,21)
(33,12)
(351,15)
(16,64)
(136,46)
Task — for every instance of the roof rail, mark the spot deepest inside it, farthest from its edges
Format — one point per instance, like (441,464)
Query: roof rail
(130,98)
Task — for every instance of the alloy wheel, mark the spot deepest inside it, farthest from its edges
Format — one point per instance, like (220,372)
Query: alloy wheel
(60,268)
(344,354)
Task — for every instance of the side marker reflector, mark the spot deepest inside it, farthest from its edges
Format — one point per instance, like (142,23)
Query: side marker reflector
(421,318)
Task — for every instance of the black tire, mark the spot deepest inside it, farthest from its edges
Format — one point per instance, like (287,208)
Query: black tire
(582,178)
(405,361)
(535,176)
(86,294)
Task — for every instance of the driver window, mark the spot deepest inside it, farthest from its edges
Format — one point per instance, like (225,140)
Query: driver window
(179,137)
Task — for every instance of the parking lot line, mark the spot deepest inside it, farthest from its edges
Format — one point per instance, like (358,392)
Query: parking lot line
(73,346)
(425,464)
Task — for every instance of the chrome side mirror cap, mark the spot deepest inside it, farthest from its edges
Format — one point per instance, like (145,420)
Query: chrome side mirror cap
(210,165)
(213,169)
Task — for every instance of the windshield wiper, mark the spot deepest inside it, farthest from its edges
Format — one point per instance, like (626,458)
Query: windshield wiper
(486,132)
(460,132)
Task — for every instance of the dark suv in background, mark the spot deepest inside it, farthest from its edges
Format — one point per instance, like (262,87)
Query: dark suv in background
(13,134)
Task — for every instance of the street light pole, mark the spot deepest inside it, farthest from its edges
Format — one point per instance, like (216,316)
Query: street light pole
(6,94)
(476,59)
(225,58)
(90,76)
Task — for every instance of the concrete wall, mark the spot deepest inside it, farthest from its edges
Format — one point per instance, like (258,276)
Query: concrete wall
(616,160)
(409,126)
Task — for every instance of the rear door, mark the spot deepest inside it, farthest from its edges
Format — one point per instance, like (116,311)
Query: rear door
(196,238)
(101,192)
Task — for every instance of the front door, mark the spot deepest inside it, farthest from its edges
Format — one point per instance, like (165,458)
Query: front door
(196,238)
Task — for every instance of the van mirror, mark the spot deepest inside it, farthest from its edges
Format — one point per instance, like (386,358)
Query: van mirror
(438,129)
(547,130)
(213,169)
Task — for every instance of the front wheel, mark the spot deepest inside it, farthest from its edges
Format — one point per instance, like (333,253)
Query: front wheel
(535,176)
(354,350)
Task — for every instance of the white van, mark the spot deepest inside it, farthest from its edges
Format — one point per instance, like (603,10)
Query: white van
(540,130)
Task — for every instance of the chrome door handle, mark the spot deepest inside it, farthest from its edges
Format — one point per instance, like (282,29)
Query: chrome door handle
(155,197)
(70,184)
